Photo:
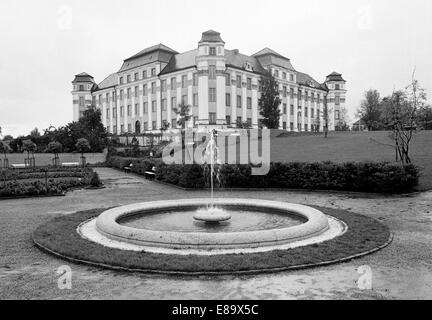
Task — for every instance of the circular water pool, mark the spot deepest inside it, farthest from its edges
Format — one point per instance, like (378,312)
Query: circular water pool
(170,224)
(183,221)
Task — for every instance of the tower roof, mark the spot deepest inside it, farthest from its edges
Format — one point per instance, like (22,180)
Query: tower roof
(83,77)
(211,36)
(334,76)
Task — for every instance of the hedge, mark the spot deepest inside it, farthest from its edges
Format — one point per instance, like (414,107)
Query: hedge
(380,177)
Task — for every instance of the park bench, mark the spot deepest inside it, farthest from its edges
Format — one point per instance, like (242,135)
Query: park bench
(18,166)
(70,164)
(128,168)
(150,175)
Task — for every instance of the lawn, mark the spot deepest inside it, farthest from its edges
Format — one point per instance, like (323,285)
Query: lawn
(353,146)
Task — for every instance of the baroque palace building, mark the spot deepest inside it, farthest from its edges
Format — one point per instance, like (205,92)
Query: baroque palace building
(220,85)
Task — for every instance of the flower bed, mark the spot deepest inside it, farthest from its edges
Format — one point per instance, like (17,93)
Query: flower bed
(56,182)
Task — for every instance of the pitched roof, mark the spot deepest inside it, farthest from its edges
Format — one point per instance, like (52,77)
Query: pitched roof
(211,36)
(238,60)
(233,58)
(306,80)
(268,51)
(268,56)
(157,47)
(155,53)
(181,61)
(108,82)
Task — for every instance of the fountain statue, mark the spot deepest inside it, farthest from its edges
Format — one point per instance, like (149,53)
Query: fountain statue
(212,214)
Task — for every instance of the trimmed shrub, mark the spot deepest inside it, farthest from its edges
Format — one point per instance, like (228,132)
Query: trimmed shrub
(380,177)
(95,180)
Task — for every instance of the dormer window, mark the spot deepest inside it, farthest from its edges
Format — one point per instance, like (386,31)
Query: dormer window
(248,66)
(337,87)
(212,51)
(81,88)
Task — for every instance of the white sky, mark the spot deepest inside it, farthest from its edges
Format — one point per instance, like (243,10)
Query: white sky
(374,44)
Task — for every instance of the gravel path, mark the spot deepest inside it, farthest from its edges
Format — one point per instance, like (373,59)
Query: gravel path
(403,270)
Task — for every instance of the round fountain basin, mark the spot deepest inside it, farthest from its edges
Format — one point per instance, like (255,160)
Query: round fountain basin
(179,220)
(111,224)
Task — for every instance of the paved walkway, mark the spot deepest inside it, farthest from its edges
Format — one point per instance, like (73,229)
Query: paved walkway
(402,270)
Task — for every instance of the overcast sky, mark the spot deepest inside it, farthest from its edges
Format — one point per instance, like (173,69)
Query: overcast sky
(374,44)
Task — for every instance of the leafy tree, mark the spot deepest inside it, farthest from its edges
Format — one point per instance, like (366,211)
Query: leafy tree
(425,118)
(8,137)
(342,123)
(369,110)
(35,133)
(82,146)
(93,129)
(183,112)
(29,146)
(269,101)
(89,126)
(55,148)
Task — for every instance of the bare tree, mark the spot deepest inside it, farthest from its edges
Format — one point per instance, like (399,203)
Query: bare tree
(404,107)
(342,123)
(326,112)
(183,113)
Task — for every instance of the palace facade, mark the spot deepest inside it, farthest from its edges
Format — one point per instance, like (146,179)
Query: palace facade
(220,85)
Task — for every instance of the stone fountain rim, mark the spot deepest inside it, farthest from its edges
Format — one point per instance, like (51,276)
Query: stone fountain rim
(107,225)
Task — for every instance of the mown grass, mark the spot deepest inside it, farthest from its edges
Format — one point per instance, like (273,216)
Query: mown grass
(342,147)
(364,234)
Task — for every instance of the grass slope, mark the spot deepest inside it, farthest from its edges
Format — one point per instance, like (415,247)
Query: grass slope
(353,146)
